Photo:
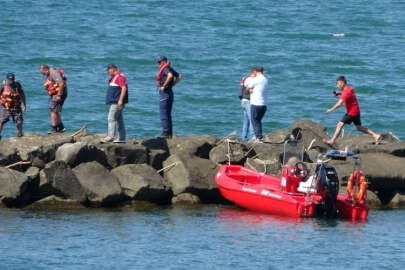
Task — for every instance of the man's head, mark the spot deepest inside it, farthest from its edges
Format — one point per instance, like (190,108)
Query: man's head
(161,59)
(341,82)
(10,78)
(44,69)
(112,69)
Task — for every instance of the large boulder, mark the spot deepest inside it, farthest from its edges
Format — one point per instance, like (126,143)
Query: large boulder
(194,145)
(186,198)
(190,174)
(102,188)
(57,178)
(271,167)
(39,149)
(141,182)
(157,157)
(310,131)
(126,153)
(158,143)
(14,188)
(80,152)
(8,154)
(238,153)
(55,203)
(277,136)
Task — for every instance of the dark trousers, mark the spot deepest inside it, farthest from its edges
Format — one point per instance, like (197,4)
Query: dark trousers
(165,107)
(257,113)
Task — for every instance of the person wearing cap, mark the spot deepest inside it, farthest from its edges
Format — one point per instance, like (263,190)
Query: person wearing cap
(258,88)
(349,99)
(166,79)
(116,98)
(56,87)
(12,97)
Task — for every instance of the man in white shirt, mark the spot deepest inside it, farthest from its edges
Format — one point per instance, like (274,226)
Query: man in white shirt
(258,87)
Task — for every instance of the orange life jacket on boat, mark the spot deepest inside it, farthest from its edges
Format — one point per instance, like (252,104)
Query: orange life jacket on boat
(53,87)
(10,98)
(357,178)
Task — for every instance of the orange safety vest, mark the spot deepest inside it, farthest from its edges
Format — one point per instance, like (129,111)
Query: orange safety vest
(53,87)
(357,178)
(10,98)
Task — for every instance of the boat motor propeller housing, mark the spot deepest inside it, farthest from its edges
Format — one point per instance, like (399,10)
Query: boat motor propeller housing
(328,184)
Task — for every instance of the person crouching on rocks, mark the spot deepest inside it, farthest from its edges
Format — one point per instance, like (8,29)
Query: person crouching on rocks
(56,86)
(348,97)
(12,96)
(117,97)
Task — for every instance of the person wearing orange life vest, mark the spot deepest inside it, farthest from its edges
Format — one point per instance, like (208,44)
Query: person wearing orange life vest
(56,87)
(12,97)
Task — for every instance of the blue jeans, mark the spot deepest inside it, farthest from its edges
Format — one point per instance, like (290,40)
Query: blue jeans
(247,129)
(165,108)
(115,116)
(257,113)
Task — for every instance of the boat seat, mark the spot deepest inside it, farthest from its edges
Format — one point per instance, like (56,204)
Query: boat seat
(306,186)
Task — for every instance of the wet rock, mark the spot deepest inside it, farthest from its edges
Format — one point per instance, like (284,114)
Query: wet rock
(398,201)
(102,188)
(311,130)
(121,154)
(157,157)
(199,146)
(141,182)
(14,188)
(57,178)
(55,203)
(186,198)
(80,152)
(238,153)
(192,175)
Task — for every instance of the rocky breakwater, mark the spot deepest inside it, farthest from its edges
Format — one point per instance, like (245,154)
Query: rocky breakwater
(65,171)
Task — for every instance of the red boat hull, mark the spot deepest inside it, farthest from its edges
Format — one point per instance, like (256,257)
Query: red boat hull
(263,193)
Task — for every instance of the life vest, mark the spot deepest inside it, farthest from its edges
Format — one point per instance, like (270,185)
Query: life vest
(53,87)
(10,98)
(357,178)
(159,74)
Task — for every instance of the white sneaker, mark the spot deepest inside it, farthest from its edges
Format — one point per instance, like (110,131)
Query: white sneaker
(106,140)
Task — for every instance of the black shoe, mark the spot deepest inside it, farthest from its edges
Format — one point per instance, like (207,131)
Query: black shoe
(60,128)
(53,130)
(165,135)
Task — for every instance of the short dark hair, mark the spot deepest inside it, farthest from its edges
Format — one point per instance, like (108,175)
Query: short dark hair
(44,66)
(258,69)
(342,79)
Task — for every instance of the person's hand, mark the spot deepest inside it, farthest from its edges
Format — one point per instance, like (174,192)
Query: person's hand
(162,88)
(58,98)
(120,103)
(329,111)
(24,108)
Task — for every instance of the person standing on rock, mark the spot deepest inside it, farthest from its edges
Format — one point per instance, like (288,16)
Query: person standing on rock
(348,97)
(258,88)
(12,97)
(117,97)
(244,96)
(166,79)
(56,87)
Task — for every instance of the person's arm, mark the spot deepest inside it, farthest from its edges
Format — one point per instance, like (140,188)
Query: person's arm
(22,94)
(56,77)
(168,78)
(337,105)
(177,79)
(122,96)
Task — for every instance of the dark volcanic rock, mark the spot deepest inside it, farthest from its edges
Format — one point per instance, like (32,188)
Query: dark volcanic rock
(121,154)
(14,188)
(142,182)
(193,175)
(311,130)
(186,198)
(239,153)
(80,152)
(199,146)
(156,144)
(272,167)
(58,179)
(157,157)
(8,154)
(102,188)
(277,136)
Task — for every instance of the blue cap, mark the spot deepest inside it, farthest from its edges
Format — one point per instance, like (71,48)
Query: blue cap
(109,66)
(161,58)
(10,76)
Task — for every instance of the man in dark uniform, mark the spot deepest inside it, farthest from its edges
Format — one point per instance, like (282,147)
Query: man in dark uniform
(166,78)
(12,96)
(55,85)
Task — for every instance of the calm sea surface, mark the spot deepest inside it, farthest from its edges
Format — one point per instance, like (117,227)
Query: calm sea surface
(303,46)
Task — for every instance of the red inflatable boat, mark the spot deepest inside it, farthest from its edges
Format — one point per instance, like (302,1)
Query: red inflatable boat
(293,194)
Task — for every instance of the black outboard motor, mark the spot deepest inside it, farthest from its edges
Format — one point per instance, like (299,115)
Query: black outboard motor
(328,184)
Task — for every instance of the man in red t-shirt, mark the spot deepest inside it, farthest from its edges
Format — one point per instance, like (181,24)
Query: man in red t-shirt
(348,97)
